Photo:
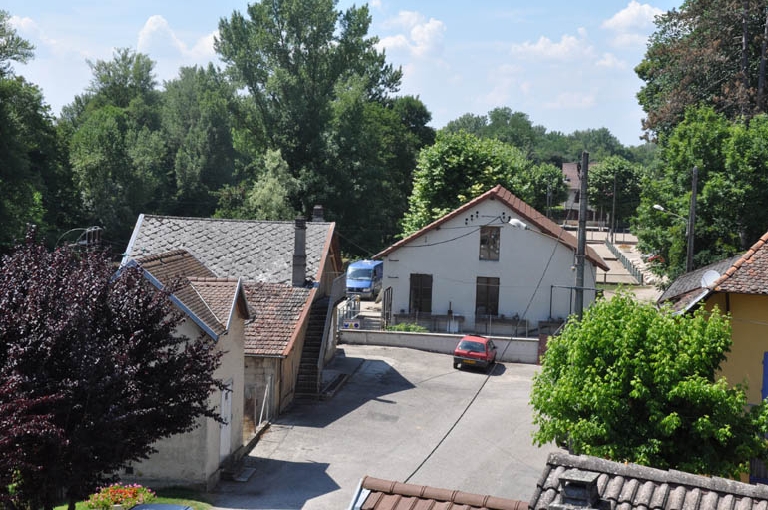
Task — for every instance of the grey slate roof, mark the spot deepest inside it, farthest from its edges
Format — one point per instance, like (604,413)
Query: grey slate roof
(688,285)
(249,249)
(630,486)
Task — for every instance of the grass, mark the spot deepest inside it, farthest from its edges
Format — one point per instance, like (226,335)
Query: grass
(175,495)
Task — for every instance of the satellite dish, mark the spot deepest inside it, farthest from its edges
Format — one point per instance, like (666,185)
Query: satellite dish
(709,278)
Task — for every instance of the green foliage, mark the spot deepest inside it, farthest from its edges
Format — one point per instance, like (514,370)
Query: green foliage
(461,166)
(615,174)
(731,206)
(12,47)
(632,383)
(410,327)
(703,54)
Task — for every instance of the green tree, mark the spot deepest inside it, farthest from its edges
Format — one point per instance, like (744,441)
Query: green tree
(292,55)
(198,124)
(459,167)
(35,187)
(611,176)
(731,201)
(705,53)
(12,46)
(633,383)
(117,150)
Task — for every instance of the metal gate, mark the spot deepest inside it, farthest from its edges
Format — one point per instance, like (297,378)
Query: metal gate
(386,308)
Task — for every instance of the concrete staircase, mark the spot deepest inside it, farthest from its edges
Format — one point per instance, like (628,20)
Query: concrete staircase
(308,379)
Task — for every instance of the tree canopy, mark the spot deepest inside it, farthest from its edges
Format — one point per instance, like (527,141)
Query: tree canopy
(635,384)
(731,204)
(92,373)
(706,53)
(461,166)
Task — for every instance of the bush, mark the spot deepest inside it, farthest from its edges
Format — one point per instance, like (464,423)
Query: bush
(126,495)
(408,327)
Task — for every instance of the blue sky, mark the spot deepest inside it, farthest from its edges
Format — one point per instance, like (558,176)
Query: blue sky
(567,64)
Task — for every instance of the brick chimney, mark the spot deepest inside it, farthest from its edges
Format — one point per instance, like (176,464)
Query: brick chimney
(299,275)
(317,213)
(578,490)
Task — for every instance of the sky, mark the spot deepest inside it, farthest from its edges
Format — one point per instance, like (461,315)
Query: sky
(569,65)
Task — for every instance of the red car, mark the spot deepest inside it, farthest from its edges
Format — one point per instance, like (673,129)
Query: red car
(474,351)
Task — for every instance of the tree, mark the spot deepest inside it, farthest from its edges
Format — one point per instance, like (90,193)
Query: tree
(707,53)
(731,202)
(94,360)
(197,120)
(295,57)
(636,384)
(117,150)
(12,46)
(459,167)
(35,187)
(615,176)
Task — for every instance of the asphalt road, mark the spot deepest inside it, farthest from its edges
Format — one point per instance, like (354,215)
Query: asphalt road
(403,415)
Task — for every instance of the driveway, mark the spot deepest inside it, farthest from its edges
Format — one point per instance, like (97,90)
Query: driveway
(402,415)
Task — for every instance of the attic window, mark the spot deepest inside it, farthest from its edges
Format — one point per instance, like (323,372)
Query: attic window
(489,243)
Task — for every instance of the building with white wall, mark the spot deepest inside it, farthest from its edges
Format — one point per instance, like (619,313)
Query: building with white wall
(473,271)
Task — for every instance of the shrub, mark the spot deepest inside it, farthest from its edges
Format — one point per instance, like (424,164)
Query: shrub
(126,495)
(408,327)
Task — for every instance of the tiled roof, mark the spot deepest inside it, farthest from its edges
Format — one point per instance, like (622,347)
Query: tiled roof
(748,274)
(531,216)
(381,494)
(211,300)
(688,286)
(221,296)
(630,486)
(275,311)
(254,250)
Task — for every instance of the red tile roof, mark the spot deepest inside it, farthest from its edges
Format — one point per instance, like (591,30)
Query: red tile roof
(749,274)
(276,310)
(525,211)
(210,299)
(387,495)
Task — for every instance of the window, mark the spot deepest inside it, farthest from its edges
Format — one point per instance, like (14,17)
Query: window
(489,243)
(487,300)
(421,293)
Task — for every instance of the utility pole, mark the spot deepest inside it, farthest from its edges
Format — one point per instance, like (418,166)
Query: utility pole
(613,211)
(691,221)
(582,239)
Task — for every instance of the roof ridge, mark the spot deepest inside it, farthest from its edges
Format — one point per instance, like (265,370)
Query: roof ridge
(469,499)
(647,473)
(231,220)
(759,244)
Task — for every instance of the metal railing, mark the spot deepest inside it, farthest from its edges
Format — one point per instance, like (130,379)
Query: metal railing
(628,264)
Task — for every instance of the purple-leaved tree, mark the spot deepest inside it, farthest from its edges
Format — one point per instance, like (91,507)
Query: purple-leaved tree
(91,373)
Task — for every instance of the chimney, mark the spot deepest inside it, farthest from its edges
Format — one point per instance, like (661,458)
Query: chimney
(578,490)
(299,276)
(317,213)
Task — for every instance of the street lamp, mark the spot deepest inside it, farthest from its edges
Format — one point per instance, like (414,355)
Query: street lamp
(688,235)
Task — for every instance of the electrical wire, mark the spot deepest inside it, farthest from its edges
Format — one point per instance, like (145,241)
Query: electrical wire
(490,372)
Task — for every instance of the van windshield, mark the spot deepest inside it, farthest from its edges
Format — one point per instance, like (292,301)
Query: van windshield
(359,274)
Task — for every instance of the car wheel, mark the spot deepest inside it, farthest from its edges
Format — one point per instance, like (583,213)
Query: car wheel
(456,365)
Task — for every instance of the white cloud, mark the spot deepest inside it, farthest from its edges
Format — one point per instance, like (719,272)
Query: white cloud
(375,3)
(632,24)
(568,47)
(504,80)
(611,61)
(157,35)
(422,38)
(571,101)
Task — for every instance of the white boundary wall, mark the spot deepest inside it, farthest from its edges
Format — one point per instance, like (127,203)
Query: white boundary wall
(514,350)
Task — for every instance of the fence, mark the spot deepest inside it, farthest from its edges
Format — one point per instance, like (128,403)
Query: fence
(628,265)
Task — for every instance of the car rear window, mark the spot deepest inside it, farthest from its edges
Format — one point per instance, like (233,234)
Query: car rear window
(470,346)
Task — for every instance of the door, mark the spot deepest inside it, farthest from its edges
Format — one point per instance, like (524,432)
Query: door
(225,443)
